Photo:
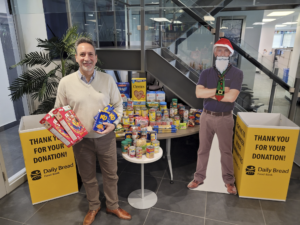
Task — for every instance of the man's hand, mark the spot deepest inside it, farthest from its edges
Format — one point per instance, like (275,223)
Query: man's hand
(227,89)
(109,127)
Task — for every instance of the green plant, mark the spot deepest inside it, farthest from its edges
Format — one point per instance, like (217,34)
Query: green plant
(40,84)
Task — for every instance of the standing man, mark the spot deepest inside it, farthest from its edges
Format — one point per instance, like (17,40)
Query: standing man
(219,86)
(87,91)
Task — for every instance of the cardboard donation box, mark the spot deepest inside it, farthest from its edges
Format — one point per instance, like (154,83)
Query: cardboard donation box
(49,163)
(263,154)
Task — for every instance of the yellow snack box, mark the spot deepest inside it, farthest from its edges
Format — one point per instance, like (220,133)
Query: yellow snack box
(139,87)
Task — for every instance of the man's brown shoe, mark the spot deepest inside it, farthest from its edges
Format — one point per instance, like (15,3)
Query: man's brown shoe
(231,189)
(121,213)
(90,216)
(194,184)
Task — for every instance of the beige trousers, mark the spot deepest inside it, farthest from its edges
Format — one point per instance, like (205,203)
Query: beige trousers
(86,152)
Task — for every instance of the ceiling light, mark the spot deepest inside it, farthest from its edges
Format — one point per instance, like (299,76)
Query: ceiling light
(280,25)
(281,13)
(160,19)
(90,15)
(249,27)
(224,28)
(134,18)
(268,20)
(258,23)
(209,18)
(290,23)
(177,21)
(180,11)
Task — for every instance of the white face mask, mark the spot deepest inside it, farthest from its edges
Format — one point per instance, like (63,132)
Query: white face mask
(222,63)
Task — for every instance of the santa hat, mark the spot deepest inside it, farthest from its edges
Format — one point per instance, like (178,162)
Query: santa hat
(223,42)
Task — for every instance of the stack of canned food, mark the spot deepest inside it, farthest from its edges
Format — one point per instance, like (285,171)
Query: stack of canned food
(156,113)
(140,142)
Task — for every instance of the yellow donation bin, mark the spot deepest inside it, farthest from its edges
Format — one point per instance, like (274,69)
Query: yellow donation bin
(263,154)
(50,165)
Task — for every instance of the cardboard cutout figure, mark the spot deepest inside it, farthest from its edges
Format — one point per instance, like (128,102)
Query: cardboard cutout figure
(219,86)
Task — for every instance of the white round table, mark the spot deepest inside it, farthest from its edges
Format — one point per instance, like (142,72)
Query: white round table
(143,198)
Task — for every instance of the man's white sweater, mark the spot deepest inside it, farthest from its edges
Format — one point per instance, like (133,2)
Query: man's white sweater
(87,99)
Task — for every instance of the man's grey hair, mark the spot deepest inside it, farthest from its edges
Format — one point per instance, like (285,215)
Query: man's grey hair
(84,40)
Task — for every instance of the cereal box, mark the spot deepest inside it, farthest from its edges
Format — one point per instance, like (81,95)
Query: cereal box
(124,88)
(70,122)
(56,129)
(160,96)
(139,86)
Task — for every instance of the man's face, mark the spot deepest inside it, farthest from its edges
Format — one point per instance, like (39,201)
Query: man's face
(86,57)
(221,52)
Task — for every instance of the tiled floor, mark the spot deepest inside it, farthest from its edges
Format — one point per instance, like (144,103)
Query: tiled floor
(176,204)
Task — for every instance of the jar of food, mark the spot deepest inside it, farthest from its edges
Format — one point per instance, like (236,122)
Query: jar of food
(162,106)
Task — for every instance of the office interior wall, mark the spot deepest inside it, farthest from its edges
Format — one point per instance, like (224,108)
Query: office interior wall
(251,41)
(296,53)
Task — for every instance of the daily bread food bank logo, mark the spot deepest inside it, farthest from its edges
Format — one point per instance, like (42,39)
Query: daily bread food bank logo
(250,170)
(36,175)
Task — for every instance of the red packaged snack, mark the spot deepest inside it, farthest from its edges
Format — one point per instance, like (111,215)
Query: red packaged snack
(70,122)
(56,129)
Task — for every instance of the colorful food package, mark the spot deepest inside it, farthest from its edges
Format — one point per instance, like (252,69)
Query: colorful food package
(150,96)
(108,115)
(70,122)
(139,86)
(152,104)
(124,88)
(139,104)
(197,116)
(56,129)
(102,117)
(160,96)
(140,119)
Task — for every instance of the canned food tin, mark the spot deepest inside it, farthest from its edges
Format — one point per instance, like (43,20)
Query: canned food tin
(130,112)
(159,122)
(174,102)
(172,112)
(129,103)
(132,151)
(156,149)
(166,114)
(124,147)
(155,143)
(138,152)
(150,151)
(126,120)
(148,142)
(144,112)
(185,121)
(152,115)
(175,111)
(131,119)
(138,111)
(186,114)
(158,115)
(153,136)
(181,111)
